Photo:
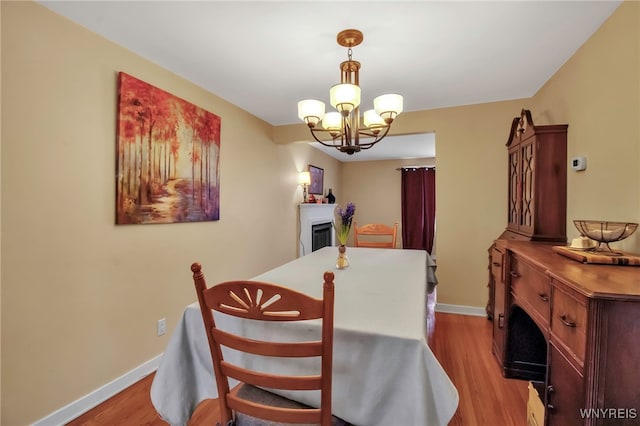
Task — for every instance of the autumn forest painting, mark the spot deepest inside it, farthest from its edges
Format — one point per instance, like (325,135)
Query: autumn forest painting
(168,154)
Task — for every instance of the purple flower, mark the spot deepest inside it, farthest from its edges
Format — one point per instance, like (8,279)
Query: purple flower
(347,214)
(346,217)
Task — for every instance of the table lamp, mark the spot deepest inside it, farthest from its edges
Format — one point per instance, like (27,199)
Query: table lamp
(304,179)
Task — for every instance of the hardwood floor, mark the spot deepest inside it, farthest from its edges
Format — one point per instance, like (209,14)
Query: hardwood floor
(132,407)
(461,343)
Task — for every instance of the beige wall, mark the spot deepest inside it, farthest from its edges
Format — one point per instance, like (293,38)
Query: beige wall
(597,92)
(332,174)
(81,296)
(0,222)
(471,204)
(381,201)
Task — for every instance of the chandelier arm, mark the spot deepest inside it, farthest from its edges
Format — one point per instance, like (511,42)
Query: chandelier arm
(313,133)
(377,139)
(369,134)
(367,146)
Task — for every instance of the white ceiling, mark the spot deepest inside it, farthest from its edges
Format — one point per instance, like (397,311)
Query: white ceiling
(393,147)
(265,56)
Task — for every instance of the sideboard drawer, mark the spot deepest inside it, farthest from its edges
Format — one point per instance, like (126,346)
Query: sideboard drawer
(569,319)
(497,261)
(532,287)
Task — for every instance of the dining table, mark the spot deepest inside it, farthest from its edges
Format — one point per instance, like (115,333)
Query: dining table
(384,372)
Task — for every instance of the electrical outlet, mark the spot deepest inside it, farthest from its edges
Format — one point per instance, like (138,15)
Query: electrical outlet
(162,326)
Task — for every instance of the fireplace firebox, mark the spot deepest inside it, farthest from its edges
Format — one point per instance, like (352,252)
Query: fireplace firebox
(320,235)
(312,215)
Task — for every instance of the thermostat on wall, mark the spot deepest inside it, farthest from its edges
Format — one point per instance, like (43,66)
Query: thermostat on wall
(578,163)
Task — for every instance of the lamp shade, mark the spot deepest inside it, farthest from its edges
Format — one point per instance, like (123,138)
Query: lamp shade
(311,111)
(388,106)
(304,178)
(332,121)
(372,120)
(344,97)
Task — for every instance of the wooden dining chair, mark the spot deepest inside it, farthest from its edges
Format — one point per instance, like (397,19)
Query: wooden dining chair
(254,300)
(373,233)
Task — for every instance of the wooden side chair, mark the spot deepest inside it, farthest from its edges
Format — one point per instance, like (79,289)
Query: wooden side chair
(248,402)
(375,230)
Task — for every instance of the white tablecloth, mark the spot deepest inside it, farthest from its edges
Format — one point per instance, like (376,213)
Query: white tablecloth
(383,370)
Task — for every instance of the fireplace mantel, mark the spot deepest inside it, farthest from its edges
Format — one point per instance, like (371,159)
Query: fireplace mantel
(314,214)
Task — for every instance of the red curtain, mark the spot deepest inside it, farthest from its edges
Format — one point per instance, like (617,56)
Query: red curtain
(418,208)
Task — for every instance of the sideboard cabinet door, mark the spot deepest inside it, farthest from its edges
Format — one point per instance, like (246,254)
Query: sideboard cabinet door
(565,391)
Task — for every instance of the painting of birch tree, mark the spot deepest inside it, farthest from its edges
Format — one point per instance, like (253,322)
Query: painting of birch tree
(168,155)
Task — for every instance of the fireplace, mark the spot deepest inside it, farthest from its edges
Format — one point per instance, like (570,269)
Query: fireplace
(314,221)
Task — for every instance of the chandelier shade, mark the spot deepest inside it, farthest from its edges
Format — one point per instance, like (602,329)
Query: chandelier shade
(311,111)
(344,97)
(344,127)
(332,121)
(388,106)
(372,119)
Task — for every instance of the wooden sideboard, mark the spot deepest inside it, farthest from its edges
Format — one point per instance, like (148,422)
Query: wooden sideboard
(574,326)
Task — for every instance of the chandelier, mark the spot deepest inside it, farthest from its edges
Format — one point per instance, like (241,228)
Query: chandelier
(344,125)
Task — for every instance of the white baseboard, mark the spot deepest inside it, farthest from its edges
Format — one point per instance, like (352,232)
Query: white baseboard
(475,311)
(98,396)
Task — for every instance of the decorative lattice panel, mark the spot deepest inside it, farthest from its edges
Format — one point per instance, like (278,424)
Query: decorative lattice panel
(513,187)
(528,165)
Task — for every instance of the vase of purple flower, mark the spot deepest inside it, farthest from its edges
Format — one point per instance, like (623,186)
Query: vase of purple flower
(343,227)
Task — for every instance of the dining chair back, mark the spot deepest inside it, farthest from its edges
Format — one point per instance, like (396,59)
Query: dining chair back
(254,300)
(376,235)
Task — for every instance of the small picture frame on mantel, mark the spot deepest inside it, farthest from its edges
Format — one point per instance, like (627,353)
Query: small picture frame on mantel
(317,180)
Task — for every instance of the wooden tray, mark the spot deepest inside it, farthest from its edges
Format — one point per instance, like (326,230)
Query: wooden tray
(628,259)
